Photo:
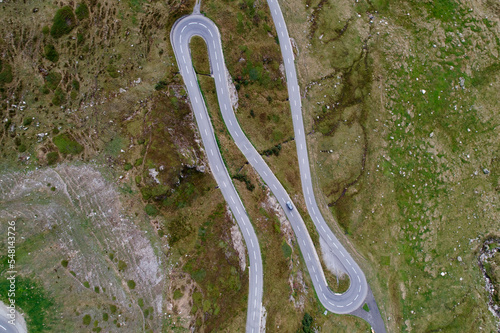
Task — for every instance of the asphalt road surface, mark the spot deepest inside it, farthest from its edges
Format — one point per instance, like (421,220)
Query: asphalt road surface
(181,33)
(5,327)
(353,299)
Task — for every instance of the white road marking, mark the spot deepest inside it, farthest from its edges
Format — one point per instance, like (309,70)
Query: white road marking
(309,256)
(323,228)
(230,122)
(359,290)
(335,245)
(359,280)
(316,278)
(212,152)
(254,255)
(248,233)
(355,298)
(217,167)
(183,29)
(255,160)
(348,262)
(232,199)
(238,210)
(329,237)
(206,131)
(298,226)
(210,32)
(191,83)
(265,173)
(342,253)
(251,240)
(183,58)
(204,26)
(274,187)
(236,133)
(224,183)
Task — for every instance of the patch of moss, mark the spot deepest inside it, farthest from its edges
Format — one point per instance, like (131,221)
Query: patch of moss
(6,74)
(59,97)
(122,265)
(51,53)
(67,145)
(86,320)
(75,84)
(82,11)
(64,22)
(287,250)
(151,210)
(52,80)
(52,157)
(178,294)
(27,121)
(131,284)
(112,71)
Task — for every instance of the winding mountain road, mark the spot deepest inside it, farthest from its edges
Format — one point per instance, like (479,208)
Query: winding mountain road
(353,299)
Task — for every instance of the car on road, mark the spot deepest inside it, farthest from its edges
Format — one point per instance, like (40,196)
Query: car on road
(289,205)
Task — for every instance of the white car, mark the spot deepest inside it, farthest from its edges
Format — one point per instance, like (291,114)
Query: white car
(289,205)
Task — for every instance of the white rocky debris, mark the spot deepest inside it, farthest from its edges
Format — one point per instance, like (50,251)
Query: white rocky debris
(154,174)
(237,239)
(233,93)
(332,263)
